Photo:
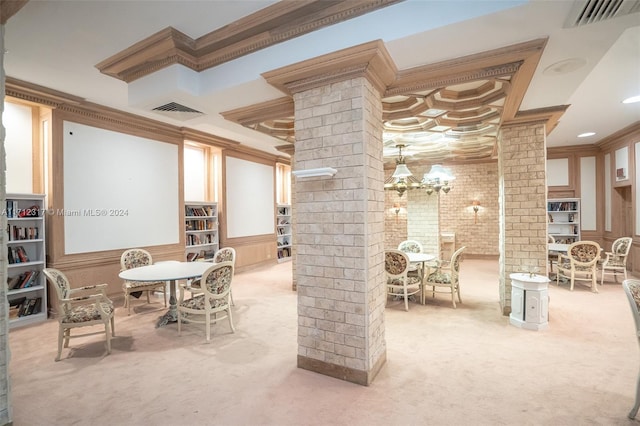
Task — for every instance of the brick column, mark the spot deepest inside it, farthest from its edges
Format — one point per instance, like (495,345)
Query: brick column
(339,220)
(523,200)
(340,231)
(5,388)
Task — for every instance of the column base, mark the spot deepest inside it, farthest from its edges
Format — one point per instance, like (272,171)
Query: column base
(359,377)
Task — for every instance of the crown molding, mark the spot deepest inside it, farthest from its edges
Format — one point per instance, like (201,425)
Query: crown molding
(73,107)
(549,116)
(257,113)
(207,138)
(36,94)
(274,24)
(370,60)
(623,136)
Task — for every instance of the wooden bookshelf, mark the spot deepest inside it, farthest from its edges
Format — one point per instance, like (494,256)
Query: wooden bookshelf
(26,283)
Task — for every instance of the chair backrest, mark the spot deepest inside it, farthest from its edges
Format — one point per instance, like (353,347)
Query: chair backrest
(410,246)
(59,281)
(216,280)
(632,289)
(455,263)
(621,246)
(550,239)
(134,258)
(225,254)
(585,253)
(396,263)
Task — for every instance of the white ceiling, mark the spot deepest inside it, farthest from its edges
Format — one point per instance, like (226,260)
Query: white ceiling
(57,44)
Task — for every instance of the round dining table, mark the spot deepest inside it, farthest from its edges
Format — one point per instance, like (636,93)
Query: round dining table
(171,271)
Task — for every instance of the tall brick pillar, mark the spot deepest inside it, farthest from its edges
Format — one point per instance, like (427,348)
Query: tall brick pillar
(340,219)
(522,158)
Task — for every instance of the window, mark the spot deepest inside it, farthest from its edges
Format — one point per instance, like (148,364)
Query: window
(283,184)
(201,172)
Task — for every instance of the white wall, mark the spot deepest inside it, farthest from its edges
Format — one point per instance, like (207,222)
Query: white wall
(250,198)
(120,191)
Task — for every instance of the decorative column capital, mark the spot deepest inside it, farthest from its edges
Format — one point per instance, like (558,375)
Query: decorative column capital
(370,60)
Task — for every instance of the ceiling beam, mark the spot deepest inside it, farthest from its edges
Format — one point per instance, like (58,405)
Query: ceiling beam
(274,24)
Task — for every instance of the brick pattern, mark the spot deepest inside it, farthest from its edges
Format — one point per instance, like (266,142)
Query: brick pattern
(5,384)
(523,196)
(340,225)
(425,216)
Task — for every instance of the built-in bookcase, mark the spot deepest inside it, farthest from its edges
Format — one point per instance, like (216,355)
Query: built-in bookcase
(564,219)
(26,283)
(283,230)
(201,230)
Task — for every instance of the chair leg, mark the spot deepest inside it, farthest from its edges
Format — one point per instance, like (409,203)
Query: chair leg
(233,330)
(113,326)
(107,332)
(231,298)
(67,336)
(60,337)
(406,300)
(453,296)
(128,303)
(634,410)
(208,326)
(458,291)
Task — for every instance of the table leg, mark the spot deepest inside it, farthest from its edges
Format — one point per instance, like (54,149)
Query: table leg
(172,314)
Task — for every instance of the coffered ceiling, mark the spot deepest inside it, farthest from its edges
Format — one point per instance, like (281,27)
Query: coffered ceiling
(463,67)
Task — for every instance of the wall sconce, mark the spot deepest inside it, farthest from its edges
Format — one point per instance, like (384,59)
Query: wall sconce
(476,207)
(397,210)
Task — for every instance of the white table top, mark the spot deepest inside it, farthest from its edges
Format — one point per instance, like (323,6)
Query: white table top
(559,247)
(166,271)
(420,257)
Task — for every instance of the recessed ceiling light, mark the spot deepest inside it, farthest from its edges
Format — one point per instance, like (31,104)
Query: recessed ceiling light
(586,134)
(632,99)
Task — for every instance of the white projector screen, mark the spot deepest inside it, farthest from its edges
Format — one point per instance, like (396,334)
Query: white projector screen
(120,191)
(250,198)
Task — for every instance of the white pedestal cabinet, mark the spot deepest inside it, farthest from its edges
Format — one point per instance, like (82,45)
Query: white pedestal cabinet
(529,301)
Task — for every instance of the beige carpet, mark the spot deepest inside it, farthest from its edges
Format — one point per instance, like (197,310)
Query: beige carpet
(466,366)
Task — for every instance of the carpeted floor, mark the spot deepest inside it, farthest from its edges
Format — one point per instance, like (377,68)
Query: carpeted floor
(445,366)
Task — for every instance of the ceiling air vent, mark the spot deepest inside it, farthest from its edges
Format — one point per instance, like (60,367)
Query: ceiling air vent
(589,11)
(177,111)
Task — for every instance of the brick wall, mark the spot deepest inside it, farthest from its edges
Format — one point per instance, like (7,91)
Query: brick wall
(424,216)
(523,197)
(340,229)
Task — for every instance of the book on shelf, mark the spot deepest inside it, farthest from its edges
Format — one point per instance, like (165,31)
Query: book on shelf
(14,282)
(23,306)
(17,255)
(16,233)
(30,279)
(192,256)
